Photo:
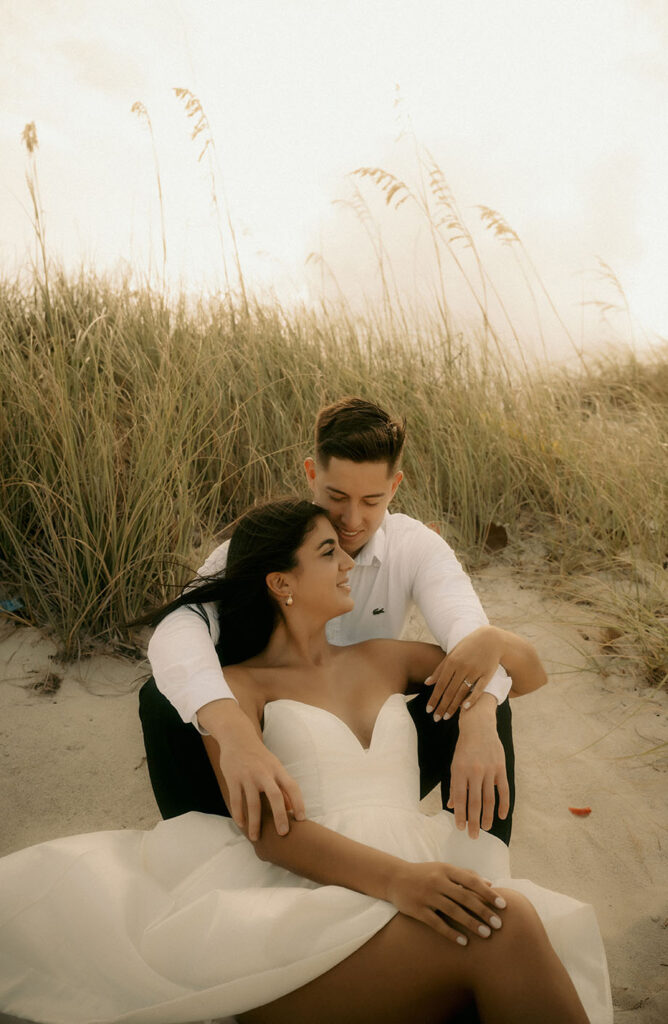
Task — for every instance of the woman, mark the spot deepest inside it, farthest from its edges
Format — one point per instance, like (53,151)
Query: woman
(367,911)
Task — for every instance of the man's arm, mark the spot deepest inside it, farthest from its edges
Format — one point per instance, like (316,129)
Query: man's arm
(187,671)
(182,652)
(452,610)
(476,655)
(479,764)
(184,661)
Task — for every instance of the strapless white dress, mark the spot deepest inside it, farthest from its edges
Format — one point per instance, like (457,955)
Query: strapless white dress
(185,923)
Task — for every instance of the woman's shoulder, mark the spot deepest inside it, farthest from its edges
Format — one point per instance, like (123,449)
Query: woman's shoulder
(376,648)
(405,661)
(380,653)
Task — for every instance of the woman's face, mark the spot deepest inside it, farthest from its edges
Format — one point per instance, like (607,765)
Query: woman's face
(319,583)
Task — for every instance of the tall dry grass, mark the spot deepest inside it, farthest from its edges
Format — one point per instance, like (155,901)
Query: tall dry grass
(133,431)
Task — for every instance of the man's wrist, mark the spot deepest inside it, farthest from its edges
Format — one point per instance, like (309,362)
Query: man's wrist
(482,713)
(220,716)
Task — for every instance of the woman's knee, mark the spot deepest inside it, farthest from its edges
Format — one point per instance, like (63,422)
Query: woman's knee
(520,919)
(517,903)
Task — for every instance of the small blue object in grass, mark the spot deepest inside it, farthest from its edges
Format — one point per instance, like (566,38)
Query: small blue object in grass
(14,604)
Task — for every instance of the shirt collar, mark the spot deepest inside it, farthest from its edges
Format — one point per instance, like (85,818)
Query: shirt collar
(373,551)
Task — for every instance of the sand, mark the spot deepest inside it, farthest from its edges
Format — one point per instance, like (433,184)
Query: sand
(73,761)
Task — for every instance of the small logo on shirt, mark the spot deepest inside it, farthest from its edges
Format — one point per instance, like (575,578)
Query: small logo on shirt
(378,611)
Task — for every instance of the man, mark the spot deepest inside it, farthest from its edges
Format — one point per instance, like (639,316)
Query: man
(463,718)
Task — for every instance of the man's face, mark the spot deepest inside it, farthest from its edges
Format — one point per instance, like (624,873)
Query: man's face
(355,495)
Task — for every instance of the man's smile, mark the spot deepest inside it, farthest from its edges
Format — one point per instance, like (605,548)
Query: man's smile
(348,533)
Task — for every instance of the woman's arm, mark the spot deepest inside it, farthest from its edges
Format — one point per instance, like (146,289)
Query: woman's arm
(521,662)
(418,890)
(475,659)
(423,891)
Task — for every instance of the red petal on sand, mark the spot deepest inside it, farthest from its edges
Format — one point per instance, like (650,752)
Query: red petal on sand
(581,812)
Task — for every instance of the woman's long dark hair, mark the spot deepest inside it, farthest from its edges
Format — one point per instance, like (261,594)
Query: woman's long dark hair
(266,539)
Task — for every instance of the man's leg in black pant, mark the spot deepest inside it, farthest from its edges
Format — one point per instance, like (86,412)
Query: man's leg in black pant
(436,748)
(179,768)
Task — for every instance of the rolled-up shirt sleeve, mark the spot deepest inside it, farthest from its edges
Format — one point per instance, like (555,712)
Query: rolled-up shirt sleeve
(445,596)
(182,652)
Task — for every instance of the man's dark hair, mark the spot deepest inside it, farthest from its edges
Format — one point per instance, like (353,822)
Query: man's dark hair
(361,431)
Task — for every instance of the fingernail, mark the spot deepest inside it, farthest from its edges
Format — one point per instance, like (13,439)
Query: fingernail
(429,709)
(495,921)
(446,716)
(484,931)
(437,718)
(282,829)
(462,940)
(427,680)
(467,703)
(499,902)
(302,817)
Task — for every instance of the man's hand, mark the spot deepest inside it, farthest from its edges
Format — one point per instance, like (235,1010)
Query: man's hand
(462,676)
(478,769)
(249,769)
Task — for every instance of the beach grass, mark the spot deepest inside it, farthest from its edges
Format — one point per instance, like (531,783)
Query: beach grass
(135,428)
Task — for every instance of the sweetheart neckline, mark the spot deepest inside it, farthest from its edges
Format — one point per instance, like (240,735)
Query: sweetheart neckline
(316,707)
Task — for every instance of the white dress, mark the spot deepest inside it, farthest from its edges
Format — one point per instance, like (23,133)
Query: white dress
(185,922)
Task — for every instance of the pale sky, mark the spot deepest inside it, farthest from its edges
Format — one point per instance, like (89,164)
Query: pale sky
(551,111)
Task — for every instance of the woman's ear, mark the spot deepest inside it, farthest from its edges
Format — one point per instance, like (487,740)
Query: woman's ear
(278,586)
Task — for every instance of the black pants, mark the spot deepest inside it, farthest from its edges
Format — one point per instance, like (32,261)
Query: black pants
(436,748)
(183,779)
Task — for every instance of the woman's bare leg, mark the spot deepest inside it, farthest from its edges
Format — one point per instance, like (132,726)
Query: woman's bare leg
(407,973)
(525,982)
(404,973)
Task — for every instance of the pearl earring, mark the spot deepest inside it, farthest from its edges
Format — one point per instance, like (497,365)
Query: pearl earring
(289,600)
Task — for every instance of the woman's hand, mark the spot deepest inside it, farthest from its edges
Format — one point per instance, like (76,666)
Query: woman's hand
(474,660)
(462,676)
(453,901)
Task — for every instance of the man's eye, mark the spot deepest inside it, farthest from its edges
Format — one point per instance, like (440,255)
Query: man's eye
(372,504)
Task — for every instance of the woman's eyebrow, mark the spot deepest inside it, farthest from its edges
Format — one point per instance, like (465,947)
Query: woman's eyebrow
(328,540)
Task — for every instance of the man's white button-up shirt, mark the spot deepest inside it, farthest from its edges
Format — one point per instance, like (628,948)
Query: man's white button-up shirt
(403,563)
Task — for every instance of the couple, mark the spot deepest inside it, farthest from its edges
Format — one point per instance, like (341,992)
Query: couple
(366,910)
